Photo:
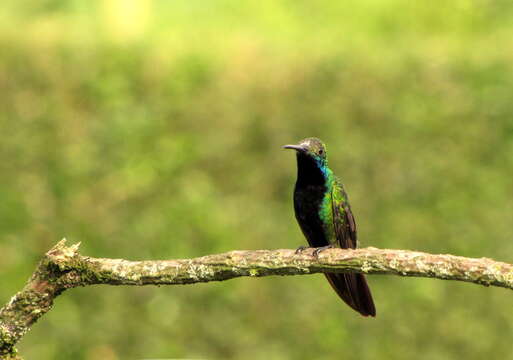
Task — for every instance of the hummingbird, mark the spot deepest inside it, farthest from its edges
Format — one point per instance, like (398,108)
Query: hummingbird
(322,210)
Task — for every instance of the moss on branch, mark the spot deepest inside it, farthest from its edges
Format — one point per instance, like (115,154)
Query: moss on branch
(63,268)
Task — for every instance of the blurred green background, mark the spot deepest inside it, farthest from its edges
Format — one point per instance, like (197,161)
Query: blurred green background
(152,130)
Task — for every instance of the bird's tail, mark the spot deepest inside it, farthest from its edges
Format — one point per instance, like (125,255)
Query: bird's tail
(353,289)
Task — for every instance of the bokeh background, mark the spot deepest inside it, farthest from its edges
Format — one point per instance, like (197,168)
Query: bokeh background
(152,130)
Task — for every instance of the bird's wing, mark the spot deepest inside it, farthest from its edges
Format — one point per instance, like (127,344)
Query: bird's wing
(352,288)
(343,220)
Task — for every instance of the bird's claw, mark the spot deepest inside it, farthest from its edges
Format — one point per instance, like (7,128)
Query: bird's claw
(321,249)
(300,249)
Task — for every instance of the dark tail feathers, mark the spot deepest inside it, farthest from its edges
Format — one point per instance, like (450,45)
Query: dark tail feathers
(353,289)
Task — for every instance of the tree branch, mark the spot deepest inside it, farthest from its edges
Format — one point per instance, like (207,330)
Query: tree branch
(64,268)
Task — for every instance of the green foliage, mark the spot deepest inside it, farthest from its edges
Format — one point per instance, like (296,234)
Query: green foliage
(153,130)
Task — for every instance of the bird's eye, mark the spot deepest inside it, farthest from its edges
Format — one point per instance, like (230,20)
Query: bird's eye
(321,152)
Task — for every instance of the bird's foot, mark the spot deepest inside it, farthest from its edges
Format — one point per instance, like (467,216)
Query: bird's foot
(318,250)
(300,249)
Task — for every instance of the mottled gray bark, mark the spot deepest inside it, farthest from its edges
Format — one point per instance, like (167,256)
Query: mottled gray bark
(63,268)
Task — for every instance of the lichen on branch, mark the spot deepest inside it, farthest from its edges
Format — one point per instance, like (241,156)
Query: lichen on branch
(64,268)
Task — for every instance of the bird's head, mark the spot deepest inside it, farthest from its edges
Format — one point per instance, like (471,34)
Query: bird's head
(312,148)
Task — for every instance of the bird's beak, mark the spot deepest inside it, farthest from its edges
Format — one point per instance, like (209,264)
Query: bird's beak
(294,147)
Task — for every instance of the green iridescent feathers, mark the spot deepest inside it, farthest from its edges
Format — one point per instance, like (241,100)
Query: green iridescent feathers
(343,220)
(335,213)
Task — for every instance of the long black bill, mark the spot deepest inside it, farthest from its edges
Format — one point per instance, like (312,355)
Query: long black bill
(294,147)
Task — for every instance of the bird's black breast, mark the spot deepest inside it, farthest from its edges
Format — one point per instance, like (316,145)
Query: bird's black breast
(307,202)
